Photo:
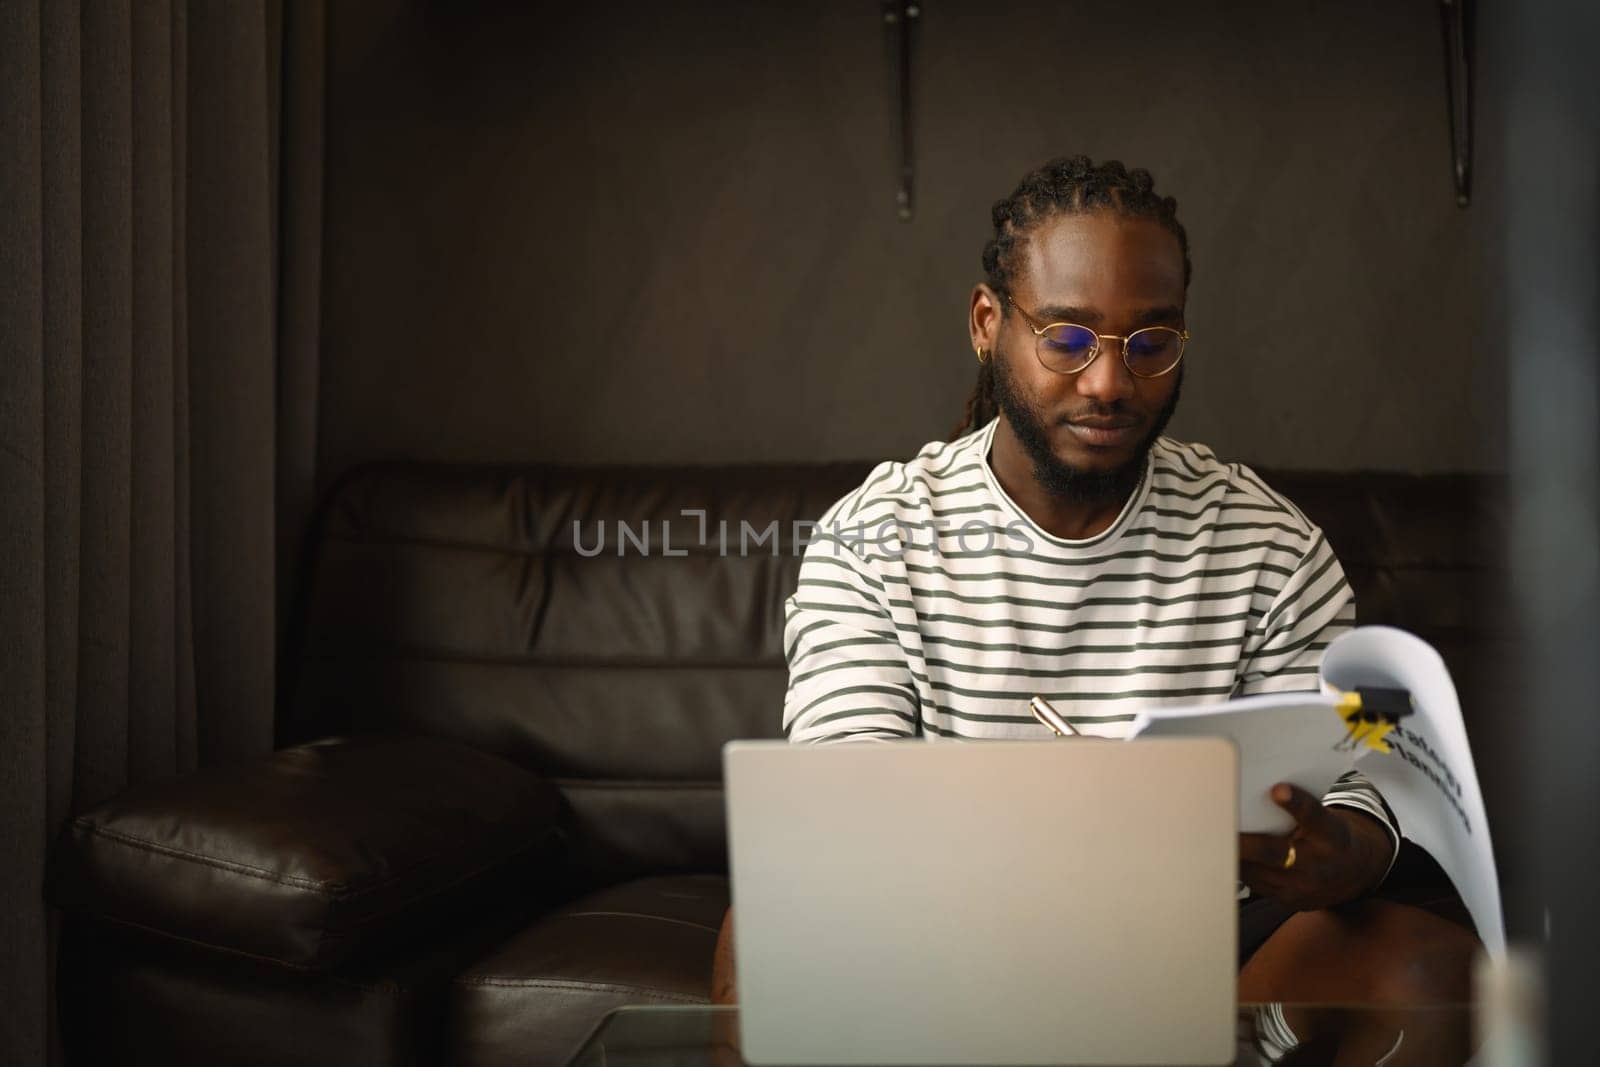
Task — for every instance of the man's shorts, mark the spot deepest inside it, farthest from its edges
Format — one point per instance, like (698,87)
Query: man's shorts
(1415,879)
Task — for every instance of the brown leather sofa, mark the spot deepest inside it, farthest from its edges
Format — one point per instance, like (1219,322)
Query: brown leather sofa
(510,820)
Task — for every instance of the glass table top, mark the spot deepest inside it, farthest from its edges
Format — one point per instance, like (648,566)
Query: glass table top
(1299,1034)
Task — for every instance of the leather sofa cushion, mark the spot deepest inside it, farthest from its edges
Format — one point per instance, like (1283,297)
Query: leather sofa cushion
(307,856)
(480,604)
(648,941)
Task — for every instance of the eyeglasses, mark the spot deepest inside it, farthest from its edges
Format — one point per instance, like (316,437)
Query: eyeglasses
(1067,348)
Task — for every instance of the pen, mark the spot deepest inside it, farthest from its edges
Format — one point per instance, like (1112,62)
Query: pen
(1050,717)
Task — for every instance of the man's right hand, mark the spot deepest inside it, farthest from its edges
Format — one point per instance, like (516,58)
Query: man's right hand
(1339,854)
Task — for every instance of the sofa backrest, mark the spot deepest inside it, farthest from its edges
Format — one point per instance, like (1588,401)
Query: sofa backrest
(607,627)
(585,623)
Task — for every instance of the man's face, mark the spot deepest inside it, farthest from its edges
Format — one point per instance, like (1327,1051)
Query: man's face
(1088,433)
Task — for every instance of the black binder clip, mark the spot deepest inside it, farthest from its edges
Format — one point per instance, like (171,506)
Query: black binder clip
(1370,712)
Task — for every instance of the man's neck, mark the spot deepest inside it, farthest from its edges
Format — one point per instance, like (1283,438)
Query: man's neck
(1072,520)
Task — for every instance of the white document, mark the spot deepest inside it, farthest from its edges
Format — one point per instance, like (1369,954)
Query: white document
(1281,737)
(1429,779)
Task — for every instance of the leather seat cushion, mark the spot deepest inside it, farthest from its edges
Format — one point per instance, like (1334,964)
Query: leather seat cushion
(534,1000)
(306,856)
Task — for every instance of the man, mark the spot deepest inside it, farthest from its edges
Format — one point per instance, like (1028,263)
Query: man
(1060,545)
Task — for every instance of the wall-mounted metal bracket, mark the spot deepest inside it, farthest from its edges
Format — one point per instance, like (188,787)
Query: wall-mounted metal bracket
(899,22)
(1456,20)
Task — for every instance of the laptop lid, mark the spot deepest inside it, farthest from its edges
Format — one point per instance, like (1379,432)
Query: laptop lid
(1008,902)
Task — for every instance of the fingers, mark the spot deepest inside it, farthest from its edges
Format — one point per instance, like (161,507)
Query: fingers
(1272,882)
(1319,838)
(1307,810)
(1263,850)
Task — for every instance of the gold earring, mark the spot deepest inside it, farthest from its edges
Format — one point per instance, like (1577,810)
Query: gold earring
(981,355)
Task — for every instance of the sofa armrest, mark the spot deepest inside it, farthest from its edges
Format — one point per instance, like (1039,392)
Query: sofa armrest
(308,855)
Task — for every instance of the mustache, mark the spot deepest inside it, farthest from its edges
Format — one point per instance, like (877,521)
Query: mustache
(1098,411)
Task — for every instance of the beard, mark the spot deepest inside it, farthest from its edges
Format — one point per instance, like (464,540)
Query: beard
(1061,479)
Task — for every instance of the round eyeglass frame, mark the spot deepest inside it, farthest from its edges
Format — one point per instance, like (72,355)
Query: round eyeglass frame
(1094,354)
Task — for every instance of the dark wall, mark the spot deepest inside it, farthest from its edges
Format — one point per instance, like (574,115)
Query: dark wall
(666,232)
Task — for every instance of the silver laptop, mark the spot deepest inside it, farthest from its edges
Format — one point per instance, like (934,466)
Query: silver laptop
(1003,902)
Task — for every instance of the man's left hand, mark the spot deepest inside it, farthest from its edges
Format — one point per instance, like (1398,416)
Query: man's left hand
(1339,854)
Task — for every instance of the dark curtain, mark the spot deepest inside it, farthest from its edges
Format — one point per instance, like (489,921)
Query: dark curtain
(160,221)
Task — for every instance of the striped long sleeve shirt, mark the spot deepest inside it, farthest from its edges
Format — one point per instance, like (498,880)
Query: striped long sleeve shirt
(930,605)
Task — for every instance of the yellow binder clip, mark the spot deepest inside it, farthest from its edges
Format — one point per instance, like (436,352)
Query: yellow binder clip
(1369,713)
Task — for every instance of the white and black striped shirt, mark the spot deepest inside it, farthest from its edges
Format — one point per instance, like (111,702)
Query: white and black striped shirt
(930,605)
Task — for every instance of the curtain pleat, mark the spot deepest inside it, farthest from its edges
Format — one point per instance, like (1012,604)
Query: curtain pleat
(62,129)
(187,732)
(152,726)
(103,603)
(23,945)
(61,125)
(232,380)
(140,216)
(299,234)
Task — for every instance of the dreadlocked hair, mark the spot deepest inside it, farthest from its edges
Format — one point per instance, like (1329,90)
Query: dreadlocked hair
(1069,185)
